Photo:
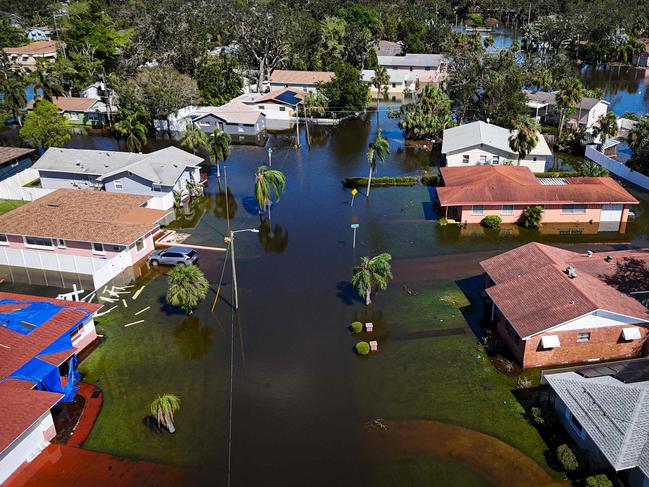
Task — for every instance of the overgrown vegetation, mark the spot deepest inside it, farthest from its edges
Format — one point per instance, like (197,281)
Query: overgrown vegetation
(532,216)
(491,221)
(391,181)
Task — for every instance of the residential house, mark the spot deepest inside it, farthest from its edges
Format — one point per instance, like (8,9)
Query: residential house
(388,48)
(89,236)
(39,34)
(14,160)
(642,59)
(89,112)
(401,82)
(479,143)
(278,106)
(470,193)
(240,120)
(586,115)
(604,409)
(155,175)
(552,306)
(40,338)
(99,90)
(428,68)
(26,56)
(300,80)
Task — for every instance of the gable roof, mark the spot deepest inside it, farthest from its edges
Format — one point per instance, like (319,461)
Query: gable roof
(301,77)
(36,48)
(534,293)
(84,215)
(543,98)
(163,166)
(70,103)
(493,184)
(233,112)
(10,153)
(614,414)
(473,134)
(425,60)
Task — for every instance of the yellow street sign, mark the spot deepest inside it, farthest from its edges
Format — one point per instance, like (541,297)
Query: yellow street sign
(354,192)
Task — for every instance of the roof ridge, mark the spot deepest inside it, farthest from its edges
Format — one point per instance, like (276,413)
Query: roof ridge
(625,440)
(576,288)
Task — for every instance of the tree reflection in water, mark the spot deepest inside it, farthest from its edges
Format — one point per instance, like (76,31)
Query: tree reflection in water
(193,339)
(273,239)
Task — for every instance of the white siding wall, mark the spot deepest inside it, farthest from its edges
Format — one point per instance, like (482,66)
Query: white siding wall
(455,158)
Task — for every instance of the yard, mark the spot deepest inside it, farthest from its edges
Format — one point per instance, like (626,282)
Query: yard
(7,205)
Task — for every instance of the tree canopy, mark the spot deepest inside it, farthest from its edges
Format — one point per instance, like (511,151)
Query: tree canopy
(45,127)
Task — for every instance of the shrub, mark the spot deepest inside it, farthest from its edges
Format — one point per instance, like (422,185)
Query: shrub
(600,480)
(491,221)
(557,174)
(357,327)
(443,222)
(362,348)
(531,217)
(567,458)
(523,383)
(537,416)
(391,181)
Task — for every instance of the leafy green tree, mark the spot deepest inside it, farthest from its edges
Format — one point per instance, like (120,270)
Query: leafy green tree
(372,274)
(525,136)
(600,480)
(11,36)
(45,127)
(428,117)
(380,79)
(379,148)
(218,79)
(268,182)
(133,131)
(346,92)
(606,127)
(331,46)
(163,409)
(638,140)
(13,85)
(542,79)
(186,286)
(591,169)
(195,139)
(219,148)
(532,216)
(568,97)
(44,78)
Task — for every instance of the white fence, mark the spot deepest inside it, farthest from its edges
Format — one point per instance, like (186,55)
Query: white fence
(12,187)
(165,202)
(616,167)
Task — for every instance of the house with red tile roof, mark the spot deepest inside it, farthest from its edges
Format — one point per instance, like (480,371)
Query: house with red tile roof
(553,306)
(27,56)
(85,235)
(469,194)
(39,340)
(299,80)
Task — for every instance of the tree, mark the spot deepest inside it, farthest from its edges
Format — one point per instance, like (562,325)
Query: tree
(11,36)
(638,140)
(163,409)
(186,286)
(45,127)
(542,78)
(346,92)
(371,275)
(45,79)
(591,169)
(569,95)
(379,148)
(381,78)
(532,216)
(268,182)
(428,117)
(606,127)
(133,131)
(219,148)
(13,87)
(314,103)
(524,137)
(600,480)
(195,139)
(218,79)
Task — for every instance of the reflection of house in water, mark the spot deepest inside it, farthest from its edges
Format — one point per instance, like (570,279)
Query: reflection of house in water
(547,229)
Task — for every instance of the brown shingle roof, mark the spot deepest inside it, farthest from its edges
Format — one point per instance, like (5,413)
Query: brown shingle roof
(10,153)
(37,47)
(301,77)
(517,185)
(534,293)
(84,215)
(70,103)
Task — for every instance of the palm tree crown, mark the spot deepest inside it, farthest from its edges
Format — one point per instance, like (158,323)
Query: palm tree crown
(567,98)
(372,274)
(219,145)
(606,127)
(186,286)
(163,409)
(379,148)
(195,139)
(133,131)
(268,182)
(524,137)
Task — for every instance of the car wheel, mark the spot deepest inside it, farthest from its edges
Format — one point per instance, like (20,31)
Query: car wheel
(154,263)
(180,263)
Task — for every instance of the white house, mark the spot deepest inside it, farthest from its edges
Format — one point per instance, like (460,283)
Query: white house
(478,143)
(400,81)
(543,108)
(279,107)
(428,68)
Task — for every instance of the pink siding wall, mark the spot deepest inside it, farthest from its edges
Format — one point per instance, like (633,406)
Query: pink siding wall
(552,214)
(81,249)
(148,248)
(87,335)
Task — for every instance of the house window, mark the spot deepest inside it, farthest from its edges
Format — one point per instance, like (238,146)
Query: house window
(98,248)
(73,115)
(483,159)
(495,160)
(119,185)
(156,188)
(427,68)
(465,159)
(38,242)
(394,85)
(583,337)
(282,109)
(139,245)
(507,210)
(477,210)
(261,107)
(573,209)
(60,243)
(3,239)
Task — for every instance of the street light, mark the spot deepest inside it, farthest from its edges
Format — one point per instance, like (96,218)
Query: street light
(230,240)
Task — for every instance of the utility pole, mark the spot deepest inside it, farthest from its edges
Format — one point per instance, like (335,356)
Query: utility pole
(297,126)
(230,240)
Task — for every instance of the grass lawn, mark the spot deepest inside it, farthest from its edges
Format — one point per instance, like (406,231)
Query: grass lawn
(420,471)
(7,205)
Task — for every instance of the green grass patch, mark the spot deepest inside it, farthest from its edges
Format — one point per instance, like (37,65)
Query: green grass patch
(7,205)
(422,471)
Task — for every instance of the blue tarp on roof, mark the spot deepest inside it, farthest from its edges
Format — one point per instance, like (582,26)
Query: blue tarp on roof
(289,97)
(29,318)
(59,345)
(43,374)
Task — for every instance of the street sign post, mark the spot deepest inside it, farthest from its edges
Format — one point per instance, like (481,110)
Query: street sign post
(354,193)
(354,227)
(270,157)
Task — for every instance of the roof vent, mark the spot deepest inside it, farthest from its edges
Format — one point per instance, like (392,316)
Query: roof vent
(54,204)
(589,253)
(571,271)
(608,258)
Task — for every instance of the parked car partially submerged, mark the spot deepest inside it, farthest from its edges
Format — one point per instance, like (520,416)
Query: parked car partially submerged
(173,256)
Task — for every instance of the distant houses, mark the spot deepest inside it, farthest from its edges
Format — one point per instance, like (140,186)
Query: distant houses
(88,112)
(26,56)
(39,34)
(469,194)
(642,59)
(479,143)
(543,107)
(552,306)
(241,121)
(428,68)
(300,80)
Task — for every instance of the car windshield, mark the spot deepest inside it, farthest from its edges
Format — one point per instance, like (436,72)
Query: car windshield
(191,253)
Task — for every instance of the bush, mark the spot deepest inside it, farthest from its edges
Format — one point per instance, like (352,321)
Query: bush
(362,348)
(531,217)
(491,221)
(557,174)
(357,327)
(537,416)
(390,181)
(442,222)
(567,458)
(600,480)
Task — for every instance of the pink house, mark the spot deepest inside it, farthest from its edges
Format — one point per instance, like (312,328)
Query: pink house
(88,233)
(471,193)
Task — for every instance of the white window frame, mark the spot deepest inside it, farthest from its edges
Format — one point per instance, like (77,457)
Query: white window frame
(583,337)
(573,210)
(119,184)
(143,245)
(474,210)
(495,160)
(6,239)
(483,159)
(35,246)
(95,251)
(466,159)
(503,211)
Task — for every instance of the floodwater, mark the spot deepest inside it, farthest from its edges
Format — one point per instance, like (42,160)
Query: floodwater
(625,88)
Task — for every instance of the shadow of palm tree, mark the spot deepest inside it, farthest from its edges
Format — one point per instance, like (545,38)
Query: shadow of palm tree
(347,294)
(193,339)
(250,205)
(275,240)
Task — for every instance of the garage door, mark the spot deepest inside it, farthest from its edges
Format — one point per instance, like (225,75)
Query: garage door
(610,218)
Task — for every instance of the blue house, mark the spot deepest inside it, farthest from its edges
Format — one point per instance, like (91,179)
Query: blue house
(14,160)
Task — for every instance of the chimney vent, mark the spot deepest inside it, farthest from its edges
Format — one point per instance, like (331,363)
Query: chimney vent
(571,271)
(608,258)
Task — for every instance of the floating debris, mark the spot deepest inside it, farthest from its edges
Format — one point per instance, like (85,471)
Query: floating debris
(125,303)
(137,293)
(134,323)
(142,311)
(97,315)
(110,300)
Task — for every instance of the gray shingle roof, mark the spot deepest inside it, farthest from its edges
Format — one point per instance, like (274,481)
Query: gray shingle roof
(430,60)
(614,414)
(161,167)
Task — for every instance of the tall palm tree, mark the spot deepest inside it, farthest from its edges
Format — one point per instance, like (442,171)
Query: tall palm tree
(606,127)
(186,286)
(219,147)
(13,87)
(381,78)
(268,182)
(314,103)
(372,274)
(379,148)
(163,409)
(567,98)
(133,131)
(524,136)
(44,79)
(195,139)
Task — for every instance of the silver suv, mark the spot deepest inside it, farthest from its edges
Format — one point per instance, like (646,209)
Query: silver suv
(173,256)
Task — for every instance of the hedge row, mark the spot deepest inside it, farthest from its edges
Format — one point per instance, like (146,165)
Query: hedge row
(557,174)
(389,181)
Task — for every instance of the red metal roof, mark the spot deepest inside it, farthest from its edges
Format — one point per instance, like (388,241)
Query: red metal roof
(488,184)
(534,293)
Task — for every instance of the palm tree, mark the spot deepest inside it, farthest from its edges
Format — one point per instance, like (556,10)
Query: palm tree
(268,182)
(219,147)
(379,148)
(570,94)
(133,131)
(314,102)
(13,87)
(524,136)
(44,79)
(381,78)
(195,139)
(186,286)
(606,127)
(542,79)
(371,275)
(163,409)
